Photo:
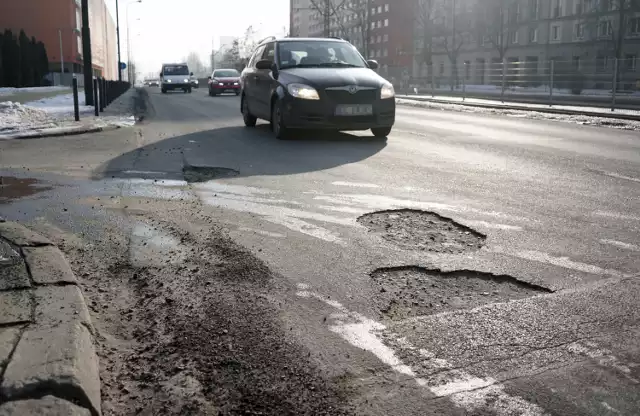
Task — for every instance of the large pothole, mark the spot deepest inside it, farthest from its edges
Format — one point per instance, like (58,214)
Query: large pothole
(195,174)
(411,291)
(421,230)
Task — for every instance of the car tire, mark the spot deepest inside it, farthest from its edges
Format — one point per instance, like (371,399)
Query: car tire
(189,90)
(164,91)
(277,124)
(381,132)
(249,119)
(237,93)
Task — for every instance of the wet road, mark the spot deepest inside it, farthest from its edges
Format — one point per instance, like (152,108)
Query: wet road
(536,315)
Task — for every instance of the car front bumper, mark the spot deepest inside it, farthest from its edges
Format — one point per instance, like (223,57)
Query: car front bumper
(176,86)
(320,114)
(224,88)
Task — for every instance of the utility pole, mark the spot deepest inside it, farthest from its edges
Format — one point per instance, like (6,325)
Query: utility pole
(86,54)
(327,18)
(118,40)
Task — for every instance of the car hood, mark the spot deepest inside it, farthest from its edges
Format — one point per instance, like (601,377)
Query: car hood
(176,78)
(228,79)
(334,77)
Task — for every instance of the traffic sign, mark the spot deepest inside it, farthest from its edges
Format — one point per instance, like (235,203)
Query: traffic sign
(123,65)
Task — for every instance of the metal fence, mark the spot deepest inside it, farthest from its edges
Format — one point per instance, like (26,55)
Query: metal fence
(605,80)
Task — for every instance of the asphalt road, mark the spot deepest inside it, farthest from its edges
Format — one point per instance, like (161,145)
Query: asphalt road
(543,318)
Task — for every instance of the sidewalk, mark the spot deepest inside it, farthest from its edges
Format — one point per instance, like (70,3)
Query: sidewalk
(545,108)
(53,116)
(47,355)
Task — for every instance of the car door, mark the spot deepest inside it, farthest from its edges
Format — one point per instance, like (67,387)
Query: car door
(264,82)
(249,84)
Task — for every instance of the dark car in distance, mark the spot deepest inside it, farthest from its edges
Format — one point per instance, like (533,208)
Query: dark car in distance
(315,83)
(224,80)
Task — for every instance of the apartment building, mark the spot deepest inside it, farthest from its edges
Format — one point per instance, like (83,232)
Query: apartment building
(378,28)
(58,23)
(579,36)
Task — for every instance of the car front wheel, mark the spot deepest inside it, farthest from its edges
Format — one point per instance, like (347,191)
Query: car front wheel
(277,122)
(249,119)
(381,132)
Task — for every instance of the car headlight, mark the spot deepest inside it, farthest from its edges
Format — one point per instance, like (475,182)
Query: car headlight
(168,80)
(302,91)
(186,80)
(236,83)
(387,92)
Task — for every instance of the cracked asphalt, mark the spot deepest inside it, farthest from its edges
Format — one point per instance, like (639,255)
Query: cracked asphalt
(229,273)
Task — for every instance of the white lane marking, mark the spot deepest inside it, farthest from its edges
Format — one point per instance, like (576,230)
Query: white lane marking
(491,225)
(464,390)
(562,262)
(609,408)
(145,172)
(620,244)
(616,215)
(616,175)
(345,209)
(262,232)
(355,184)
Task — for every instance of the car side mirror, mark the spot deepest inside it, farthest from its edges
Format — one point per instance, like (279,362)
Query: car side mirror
(373,64)
(264,64)
(191,73)
(208,77)
(160,74)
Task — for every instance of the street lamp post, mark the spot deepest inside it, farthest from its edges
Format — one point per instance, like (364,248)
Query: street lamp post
(118,35)
(129,40)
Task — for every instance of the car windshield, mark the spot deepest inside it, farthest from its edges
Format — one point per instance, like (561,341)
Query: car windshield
(176,70)
(318,54)
(226,73)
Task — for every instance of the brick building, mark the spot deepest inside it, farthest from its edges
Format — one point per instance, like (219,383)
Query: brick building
(57,23)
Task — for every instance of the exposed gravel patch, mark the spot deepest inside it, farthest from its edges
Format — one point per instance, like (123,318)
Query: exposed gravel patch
(423,231)
(194,174)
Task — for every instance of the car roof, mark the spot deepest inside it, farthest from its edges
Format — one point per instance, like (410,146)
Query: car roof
(182,63)
(225,69)
(281,40)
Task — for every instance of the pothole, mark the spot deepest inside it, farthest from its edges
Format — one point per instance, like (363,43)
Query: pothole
(424,231)
(411,291)
(194,174)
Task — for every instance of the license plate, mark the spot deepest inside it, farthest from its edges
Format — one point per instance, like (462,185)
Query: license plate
(354,110)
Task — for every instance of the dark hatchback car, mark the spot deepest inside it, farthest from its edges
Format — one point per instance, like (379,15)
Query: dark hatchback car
(319,83)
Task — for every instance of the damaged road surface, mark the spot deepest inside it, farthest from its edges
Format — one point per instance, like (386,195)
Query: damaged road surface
(470,265)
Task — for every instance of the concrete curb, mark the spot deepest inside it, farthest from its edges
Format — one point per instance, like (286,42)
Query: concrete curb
(48,362)
(522,108)
(57,132)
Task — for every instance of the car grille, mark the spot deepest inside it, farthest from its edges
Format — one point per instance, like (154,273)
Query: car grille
(344,97)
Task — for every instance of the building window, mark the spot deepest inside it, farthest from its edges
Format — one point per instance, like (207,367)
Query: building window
(577,64)
(634,26)
(379,9)
(514,37)
(386,52)
(533,35)
(386,22)
(385,38)
(441,68)
(467,70)
(602,63)
(579,31)
(555,32)
(556,8)
(386,7)
(630,62)
(379,39)
(534,9)
(605,28)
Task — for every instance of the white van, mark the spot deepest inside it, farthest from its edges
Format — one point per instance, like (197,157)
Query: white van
(175,77)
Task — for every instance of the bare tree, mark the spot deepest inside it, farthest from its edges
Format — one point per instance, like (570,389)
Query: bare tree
(453,31)
(328,9)
(359,18)
(426,27)
(195,63)
(497,22)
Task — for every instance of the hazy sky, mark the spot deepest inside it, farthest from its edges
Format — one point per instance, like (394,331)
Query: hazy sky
(170,29)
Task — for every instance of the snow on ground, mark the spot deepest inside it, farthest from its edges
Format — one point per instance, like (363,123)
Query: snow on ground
(11,90)
(57,113)
(516,90)
(583,119)
(578,108)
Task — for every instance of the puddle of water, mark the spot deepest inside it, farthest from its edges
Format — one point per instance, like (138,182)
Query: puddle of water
(12,188)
